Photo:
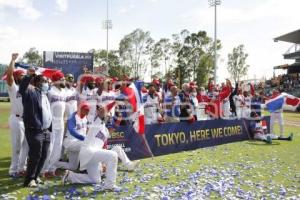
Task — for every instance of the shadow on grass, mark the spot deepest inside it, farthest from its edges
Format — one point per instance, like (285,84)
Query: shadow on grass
(261,143)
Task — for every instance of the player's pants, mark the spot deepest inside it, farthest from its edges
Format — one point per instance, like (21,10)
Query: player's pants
(72,147)
(239,112)
(246,113)
(121,155)
(108,157)
(18,143)
(226,109)
(56,141)
(260,136)
(279,117)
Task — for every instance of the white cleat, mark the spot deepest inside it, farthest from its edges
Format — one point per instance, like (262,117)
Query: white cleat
(132,165)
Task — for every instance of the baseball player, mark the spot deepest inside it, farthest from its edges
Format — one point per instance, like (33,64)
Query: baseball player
(238,101)
(276,115)
(107,97)
(89,94)
(259,130)
(57,99)
(92,155)
(151,106)
(71,95)
(18,141)
(246,102)
(226,102)
(76,132)
(202,103)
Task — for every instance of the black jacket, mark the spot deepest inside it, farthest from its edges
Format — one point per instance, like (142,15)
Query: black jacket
(32,104)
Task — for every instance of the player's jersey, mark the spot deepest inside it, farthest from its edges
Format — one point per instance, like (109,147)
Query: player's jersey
(151,108)
(107,98)
(247,102)
(91,97)
(71,101)
(78,124)
(238,101)
(94,141)
(57,100)
(15,99)
(256,128)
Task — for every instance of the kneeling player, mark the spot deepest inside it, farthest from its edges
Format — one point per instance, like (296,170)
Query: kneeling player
(77,127)
(92,155)
(259,130)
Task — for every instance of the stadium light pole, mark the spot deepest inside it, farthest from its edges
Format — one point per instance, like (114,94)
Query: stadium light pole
(107,24)
(215,3)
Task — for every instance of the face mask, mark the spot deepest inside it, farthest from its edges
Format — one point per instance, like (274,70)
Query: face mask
(91,86)
(45,87)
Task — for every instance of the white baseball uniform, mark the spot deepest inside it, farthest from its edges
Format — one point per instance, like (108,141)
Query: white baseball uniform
(71,101)
(259,133)
(107,98)
(151,109)
(92,155)
(57,99)
(238,101)
(76,132)
(226,108)
(91,97)
(246,109)
(18,141)
(277,115)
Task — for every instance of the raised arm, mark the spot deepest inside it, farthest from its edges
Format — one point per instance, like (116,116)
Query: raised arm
(10,69)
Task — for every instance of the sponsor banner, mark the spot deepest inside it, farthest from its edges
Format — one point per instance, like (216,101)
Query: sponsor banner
(176,137)
(69,62)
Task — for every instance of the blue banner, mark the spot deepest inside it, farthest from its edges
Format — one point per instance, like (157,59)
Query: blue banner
(69,62)
(176,137)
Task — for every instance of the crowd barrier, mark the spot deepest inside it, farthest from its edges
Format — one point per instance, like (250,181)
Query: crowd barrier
(162,139)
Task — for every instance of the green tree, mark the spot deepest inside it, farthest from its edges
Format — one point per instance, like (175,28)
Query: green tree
(195,57)
(134,50)
(163,51)
(115,68)
(32,57)
(236,64)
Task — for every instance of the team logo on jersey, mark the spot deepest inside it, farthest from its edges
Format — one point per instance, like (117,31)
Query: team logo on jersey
(57,98)
(71,98)
(108,98)
(80,126)
(101,136)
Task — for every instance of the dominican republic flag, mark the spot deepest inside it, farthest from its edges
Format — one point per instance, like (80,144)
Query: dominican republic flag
(38,70)
(283,101)
(135,99)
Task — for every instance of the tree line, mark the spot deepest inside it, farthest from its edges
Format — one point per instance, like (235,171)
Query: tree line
(183,57)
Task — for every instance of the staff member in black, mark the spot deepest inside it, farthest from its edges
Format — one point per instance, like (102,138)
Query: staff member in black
(37,120)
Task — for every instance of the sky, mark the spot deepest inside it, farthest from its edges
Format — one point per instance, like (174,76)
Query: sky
(76,25)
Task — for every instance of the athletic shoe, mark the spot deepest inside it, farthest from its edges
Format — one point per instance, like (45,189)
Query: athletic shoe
(64,179)
(113,188)
(291,136)
(132,165)
(32,184)
(39,181)
(269,139)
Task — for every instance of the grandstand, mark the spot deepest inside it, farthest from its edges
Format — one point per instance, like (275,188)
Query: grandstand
(289,82)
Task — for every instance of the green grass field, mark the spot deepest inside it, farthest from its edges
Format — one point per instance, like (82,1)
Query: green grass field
(242,170)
